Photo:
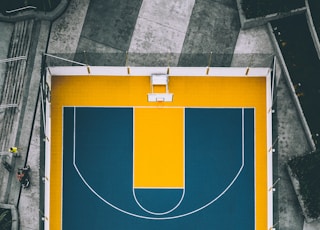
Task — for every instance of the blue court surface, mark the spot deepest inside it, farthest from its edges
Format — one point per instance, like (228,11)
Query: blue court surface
(219,187)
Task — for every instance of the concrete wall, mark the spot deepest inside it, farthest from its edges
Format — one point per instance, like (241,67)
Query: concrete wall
(247,23)
(287,77)
(312,29)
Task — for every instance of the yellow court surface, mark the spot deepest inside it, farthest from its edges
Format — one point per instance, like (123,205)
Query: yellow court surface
(158,132)
(159,148)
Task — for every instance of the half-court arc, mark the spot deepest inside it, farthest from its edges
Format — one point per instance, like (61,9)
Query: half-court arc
(159,201)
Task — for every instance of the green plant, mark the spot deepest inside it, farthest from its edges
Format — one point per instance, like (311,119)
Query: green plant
(307,170)
(41,5)
(5,219)
(258,8)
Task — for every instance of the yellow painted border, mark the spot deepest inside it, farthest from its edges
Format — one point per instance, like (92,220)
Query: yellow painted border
(195,91)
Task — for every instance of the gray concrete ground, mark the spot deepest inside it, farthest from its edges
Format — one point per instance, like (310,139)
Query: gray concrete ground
(188,30)
(161,26)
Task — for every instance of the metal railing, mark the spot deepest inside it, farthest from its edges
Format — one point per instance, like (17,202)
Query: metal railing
(64,59)
(13,59)
(8,106)
(123,58)
(21,9)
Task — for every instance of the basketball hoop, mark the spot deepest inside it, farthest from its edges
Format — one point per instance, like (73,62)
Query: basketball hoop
(163,81)
(160,97)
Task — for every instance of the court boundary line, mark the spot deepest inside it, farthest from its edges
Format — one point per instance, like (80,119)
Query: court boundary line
(150,217)
(160,106)
(255,169)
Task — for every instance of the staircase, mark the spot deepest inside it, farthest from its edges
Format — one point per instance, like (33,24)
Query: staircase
(12,93)
(14,82)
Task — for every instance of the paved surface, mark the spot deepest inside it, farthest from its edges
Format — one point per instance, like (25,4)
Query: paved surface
(193,28)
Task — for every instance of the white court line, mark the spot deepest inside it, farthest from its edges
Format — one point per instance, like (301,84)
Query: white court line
(158,213)
(150,217)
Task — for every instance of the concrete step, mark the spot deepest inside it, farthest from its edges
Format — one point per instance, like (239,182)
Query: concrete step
(14,82)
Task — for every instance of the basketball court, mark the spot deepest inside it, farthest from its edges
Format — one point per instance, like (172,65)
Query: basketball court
(159,148)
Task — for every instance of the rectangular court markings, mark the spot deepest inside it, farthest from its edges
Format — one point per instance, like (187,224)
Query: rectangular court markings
(153,124)
(158,148)
(215,171)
